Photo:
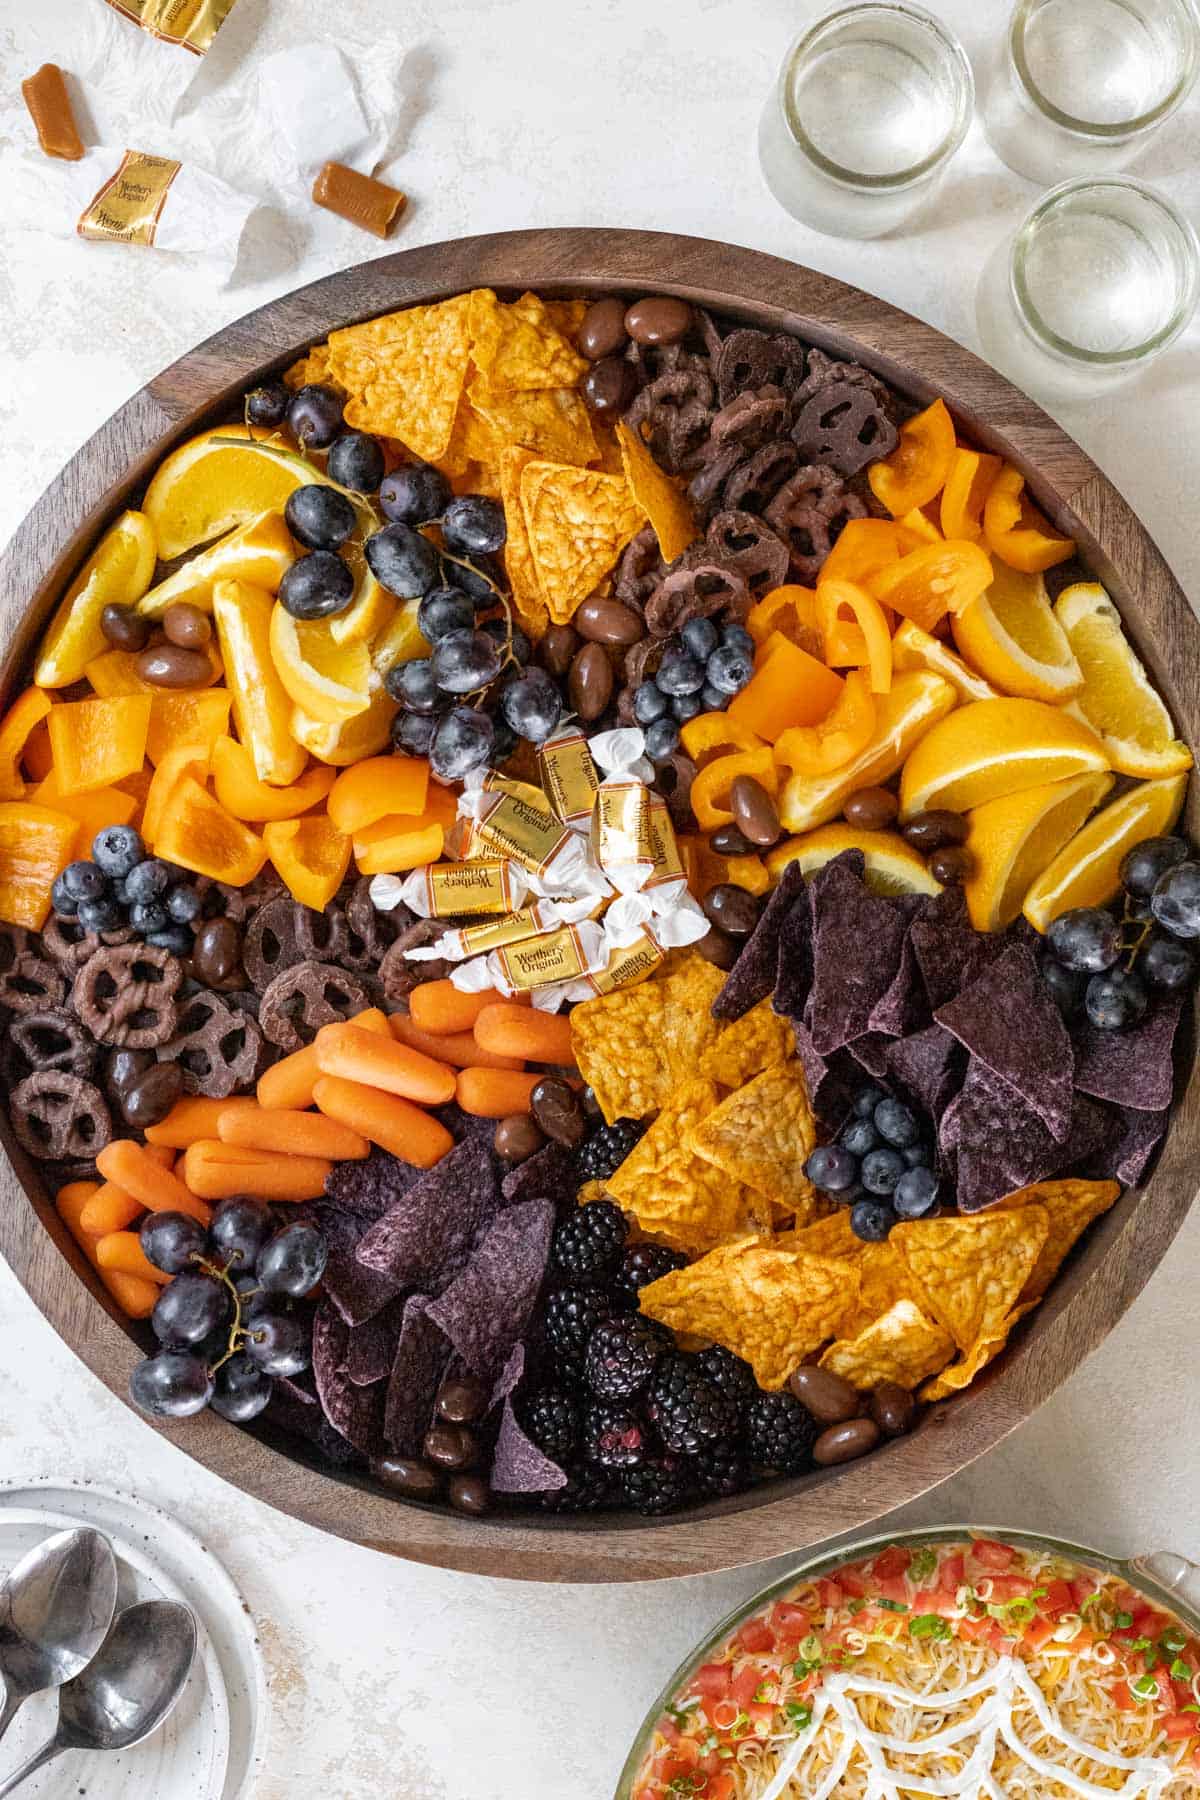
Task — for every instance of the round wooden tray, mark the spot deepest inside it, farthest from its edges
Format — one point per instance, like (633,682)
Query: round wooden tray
(761,290)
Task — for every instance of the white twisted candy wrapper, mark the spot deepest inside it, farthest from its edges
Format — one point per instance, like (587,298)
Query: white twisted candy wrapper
(512,819)
(551,958)
(621,829)
(474,940)
(442,890)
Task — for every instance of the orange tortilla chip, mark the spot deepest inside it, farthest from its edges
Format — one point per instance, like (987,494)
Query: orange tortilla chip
(313,367)
(657,495)
(565,315)
(689,985)
(962,1373)
(674,1195)
(518,557)
(579,521)
(769,1306)
(615,1039)
(901,1345)
(405,373)
(971,1268)
(1071,1206)
(885,1281)
(830,1236)
(518,347)
(553,422)
(763,1135)
(759,1039)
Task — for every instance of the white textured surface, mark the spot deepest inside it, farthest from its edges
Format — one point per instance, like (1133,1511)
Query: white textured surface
(405,1682)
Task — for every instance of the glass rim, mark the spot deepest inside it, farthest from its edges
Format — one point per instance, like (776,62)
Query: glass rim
(964,95)
(1063,347)
(1094,129)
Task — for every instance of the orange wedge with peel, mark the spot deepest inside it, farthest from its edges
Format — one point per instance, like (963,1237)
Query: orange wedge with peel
(366,734)
(328,680)
(913,648)
(1012,637)
(1013,839)
(1117,698)
(1087,870)
(219,480)
(913,705)
(118,572)
(993,748)
(259,552)
(893,867)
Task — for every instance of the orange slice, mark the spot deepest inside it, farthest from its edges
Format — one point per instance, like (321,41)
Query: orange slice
(1117,699)
(1011,636)
(327,680)
(1087,870)
(118,572)
(893,867)
(1011,841)
(996,747)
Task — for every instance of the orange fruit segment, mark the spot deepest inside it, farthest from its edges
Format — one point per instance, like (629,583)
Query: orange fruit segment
(994,748)
(366,734)
(913,648)
(1011,636)
(893,867)
(914,704)
(1087,870)
(1011,840)
(261,705)
(259,552)
(118,572)
(218,481)
(1117,698)
(330,681)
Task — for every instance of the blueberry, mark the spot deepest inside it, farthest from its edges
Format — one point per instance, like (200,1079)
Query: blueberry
(510,638)
(895,1123)
(649,703)
(183,905)
(713,699)
(464,661)
(62,900)
(532,705)
(1116,1000)
(267,404)
(413,733)
(178,939)
(729,668)
(881,1170)
(84,881)
(1167,963)
(414,685)
(442,611)
(662,740)
(917,1156)
(738,638)
(473,525)
(867,1099)
(463,741)
(414,494)
(679,673)
(149,880)
(314,416)
(1065,986)
(117,849)
(316,586)
(148,915)
(402,561)
(916,1193)
(685,707)
(1175,901)
(318,516)
(100,914)
(699,638)
(832,1168)
(356,462)
(871,1220)
(1143,867)
(859,1137)
(1085,938)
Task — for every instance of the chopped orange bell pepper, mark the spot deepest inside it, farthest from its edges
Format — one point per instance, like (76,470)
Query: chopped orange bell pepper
(96,742)
(788,687)
(376,787)
(116,672)
(200,835)
(819,749)
(967,486)
(706,868)
(37,759)
(915,473)
(1016,532)
(94,810)
(311,855)
(863,640)
(198,716)
(404,850)
(241,792)
(189,759)
(714,734)
(36,844)
(928,583)
(921,526)
(137,784)
(791,610)
(865,546)
(28,710)
(712,786)
(441,808)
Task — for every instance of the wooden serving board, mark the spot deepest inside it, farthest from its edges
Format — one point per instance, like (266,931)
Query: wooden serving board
(1122,1250)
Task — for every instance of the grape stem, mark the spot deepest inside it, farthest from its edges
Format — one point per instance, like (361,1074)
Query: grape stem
(238,1335)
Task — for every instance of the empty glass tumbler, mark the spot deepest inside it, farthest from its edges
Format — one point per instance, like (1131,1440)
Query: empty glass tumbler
(871,103)
(1077,86)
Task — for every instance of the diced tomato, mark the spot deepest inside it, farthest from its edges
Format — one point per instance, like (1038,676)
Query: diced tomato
(1196,1757)
(830,1593)
(747,1682)
(645,1794)
(762,1715)
(679,1760)
(890,1562)
(857,1586)
(1122,1699)
(711,1680)
(892,1587)
(1081,1590)
(720,1787)
(1037,1633)
(1148,1623)
(668,1729)
(933,1600)
(755,1636)
(981,1631)
(1058,1598)
(1181,1725)
(952,1572)
(792,1620)
(991,1554)
(1010,1587)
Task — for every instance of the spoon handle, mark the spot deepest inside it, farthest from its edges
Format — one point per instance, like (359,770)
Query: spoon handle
(49,1750)
(13,1702)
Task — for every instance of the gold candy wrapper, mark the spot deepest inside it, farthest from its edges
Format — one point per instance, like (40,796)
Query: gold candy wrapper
(667,881)
(569,776)
(624,847)
(444,890)
(512,819)
(493,934)
(551,958)
(626,965)
(191,24)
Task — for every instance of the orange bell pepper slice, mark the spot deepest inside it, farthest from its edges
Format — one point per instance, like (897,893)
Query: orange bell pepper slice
(95,810)
(410,849)
(915,473)
(712,786)
(189,759)
(714,734)
(36,844)
(28,710)
(1016,532)
(789,687)
(200,835)
(865,546)
(96,742)
(791,610)
(372,789)
(311,855)
(822,748)
(967,487)
(241,792)
(861,641)
(198,717)
(940,578)
(921,526)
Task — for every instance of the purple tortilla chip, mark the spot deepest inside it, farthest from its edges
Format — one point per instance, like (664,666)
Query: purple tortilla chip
(368,1188)
(430,1229)
(371,1348)
(484,1312)
(998,1144)
(353,1411)
(1131,1068)
(1008,1021)
(949,951)
(549,1174)
(298,1414)
(357,1292)
(752,976)
(1137,1136)
(422,1354)
(858,938)
(509,1378)
(930,1065)
(794,962)
(904,1008)
(518,1465)
(870,1052)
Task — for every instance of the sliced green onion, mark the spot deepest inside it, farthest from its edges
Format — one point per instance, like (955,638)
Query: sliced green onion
(1145,1687)
(929,1625)
(1092,1600)
(922,1563)
(1020,1611)
(799,1715)
(854,1606)
(761,1695)
(1173,1641)
(1123,1621)
(893,1605)
(1180,1670)
(1138,1644)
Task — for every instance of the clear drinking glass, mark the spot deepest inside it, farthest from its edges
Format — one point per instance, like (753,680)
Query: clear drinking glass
(1098,281)
(1078,86)
(871,103)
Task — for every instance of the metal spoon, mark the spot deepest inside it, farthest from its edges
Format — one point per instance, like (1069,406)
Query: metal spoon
(128,1688)
(56,1606)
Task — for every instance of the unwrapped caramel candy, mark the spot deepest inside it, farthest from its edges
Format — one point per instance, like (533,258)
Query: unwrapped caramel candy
(370,204)
(50,109)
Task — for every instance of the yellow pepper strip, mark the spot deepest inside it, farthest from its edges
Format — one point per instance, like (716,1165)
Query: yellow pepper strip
(929,583)
(713,734)
(712,786)
(967,487)
(1016,532)
(834,600)
(915,473)
(791,610)
(819,749)
(28,710)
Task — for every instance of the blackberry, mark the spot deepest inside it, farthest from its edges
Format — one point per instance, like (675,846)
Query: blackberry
(588,1243)
(688,1411)
(657,1486)
(621,1356)
(613,1436)
(602,1154)
(780,1433)
(642,1264)
(571,1316)
(587,1490)
(728,1374)
(551,1418)
(719,1471)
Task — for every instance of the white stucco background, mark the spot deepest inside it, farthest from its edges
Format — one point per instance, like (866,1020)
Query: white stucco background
(404,1682)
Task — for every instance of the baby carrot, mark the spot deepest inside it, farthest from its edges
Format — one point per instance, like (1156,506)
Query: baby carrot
(290,1083)
(440,1006)
(218,1171)
(524,1031)
(389,1121)
(458,1048)
(383,1063)
(495,1093)
(110,1209)
(135,1297)
(291,1133)
(190,1119)
(128,1166)
(121,1251)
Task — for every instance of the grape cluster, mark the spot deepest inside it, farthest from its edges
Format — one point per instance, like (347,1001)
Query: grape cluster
(124,886)
(701,670)
(880,1166)
(1107,965)
(226,1322)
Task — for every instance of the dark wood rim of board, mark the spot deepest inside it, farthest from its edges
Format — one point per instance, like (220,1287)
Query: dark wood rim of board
(1122,1251)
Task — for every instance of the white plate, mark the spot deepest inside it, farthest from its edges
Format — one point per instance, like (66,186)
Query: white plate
(212,1745)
